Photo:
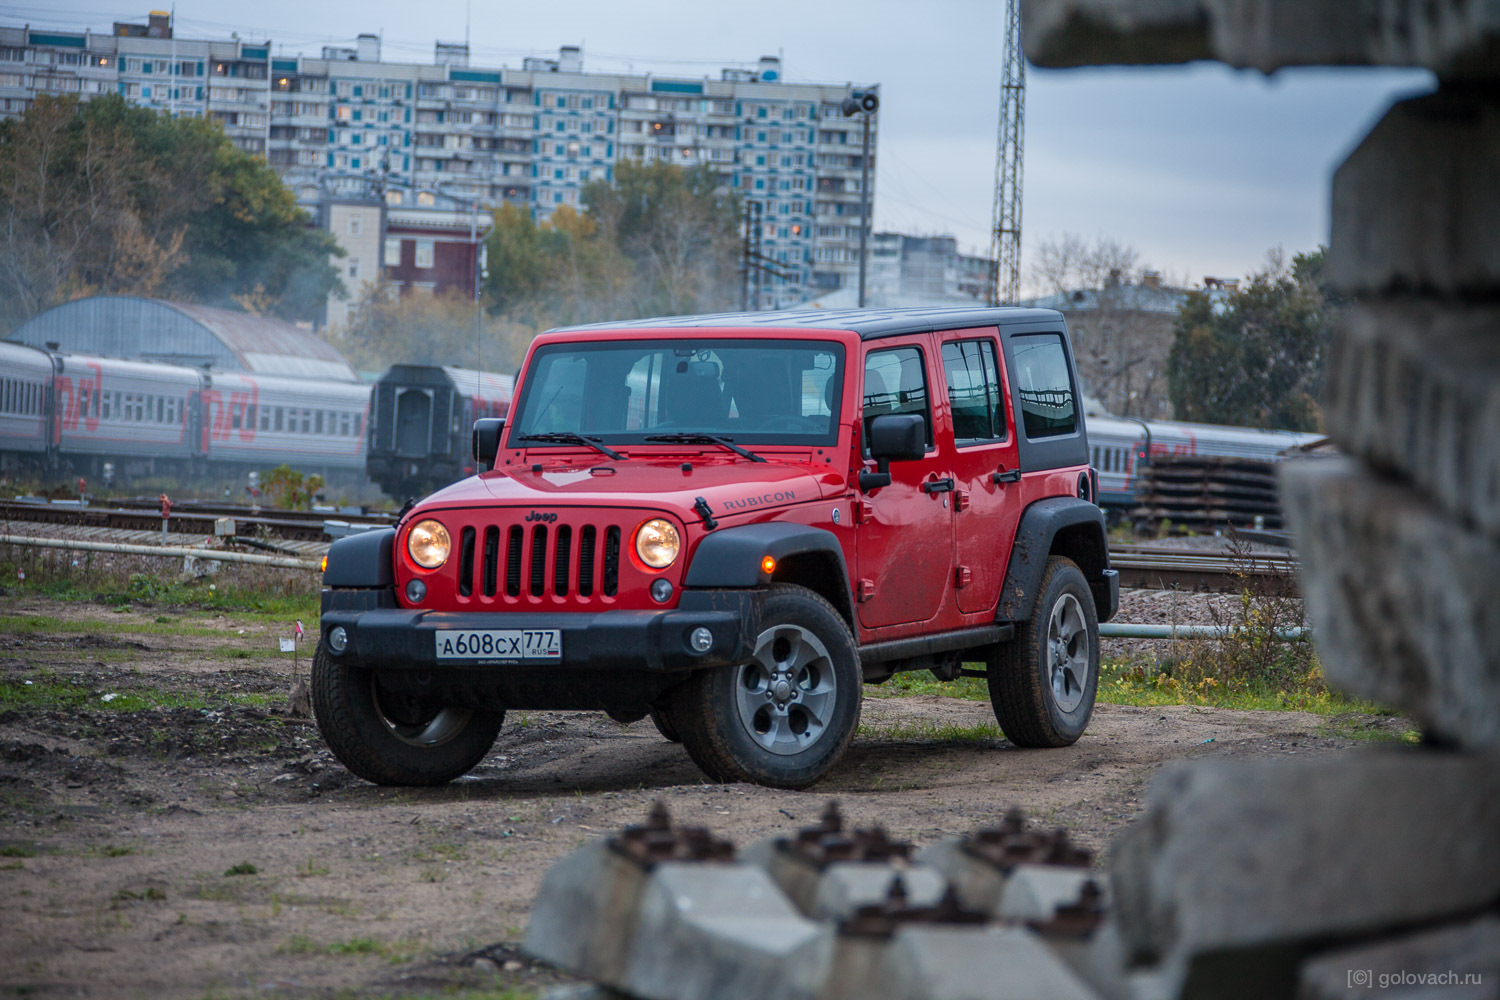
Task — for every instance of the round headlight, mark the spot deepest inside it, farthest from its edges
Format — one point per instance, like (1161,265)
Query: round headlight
(656,542)
(428,544)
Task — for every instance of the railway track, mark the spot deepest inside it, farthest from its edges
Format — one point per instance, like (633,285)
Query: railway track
(188,518)
(1154,567)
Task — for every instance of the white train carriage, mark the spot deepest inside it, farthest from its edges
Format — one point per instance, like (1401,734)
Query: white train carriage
(1120,448)
(269,420)
(108,409)
(25,380)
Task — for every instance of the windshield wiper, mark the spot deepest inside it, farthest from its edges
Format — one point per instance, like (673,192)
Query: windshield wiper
(722,442)
(567,437)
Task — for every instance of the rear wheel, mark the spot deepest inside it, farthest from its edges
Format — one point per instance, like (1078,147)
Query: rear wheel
(785,717)
(1042,683)
(392,738)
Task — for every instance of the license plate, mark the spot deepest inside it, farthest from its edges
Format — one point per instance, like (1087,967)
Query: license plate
(504,644)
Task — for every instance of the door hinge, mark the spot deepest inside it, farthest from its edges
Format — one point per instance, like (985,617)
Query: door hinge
(864,512)
(866,590)
(962,577)
(960,499)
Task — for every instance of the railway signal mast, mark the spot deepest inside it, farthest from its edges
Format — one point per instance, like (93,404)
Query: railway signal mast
(1005,233)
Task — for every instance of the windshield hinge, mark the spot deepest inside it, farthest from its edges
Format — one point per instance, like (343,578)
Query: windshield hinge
(701,508)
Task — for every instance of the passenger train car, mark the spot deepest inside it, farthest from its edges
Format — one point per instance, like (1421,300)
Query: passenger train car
(1121,448)
(421,417)
(76,413)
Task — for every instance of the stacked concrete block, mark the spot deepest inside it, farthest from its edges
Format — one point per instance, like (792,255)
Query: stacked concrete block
(666,913)
(1244,880)
(1458,961)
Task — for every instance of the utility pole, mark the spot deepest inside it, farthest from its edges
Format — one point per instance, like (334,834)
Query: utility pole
(1005,233)
(866,104)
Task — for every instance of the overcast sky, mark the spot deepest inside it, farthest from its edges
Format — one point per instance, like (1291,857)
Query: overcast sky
(1201,169)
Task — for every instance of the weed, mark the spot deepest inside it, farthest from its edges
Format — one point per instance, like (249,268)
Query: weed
(243,868)
(311,868)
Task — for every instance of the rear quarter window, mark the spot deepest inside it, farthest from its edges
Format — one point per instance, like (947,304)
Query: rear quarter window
(1047,401)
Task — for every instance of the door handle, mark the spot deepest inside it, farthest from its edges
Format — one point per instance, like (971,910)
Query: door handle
(1007,476)
(938,486)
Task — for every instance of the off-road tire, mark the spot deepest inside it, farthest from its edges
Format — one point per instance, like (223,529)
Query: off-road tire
(1020,681)
(705,710)
(661,718)
(358,731)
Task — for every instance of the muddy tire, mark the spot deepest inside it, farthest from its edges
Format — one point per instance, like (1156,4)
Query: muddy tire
(1042,683)
(786,717)
(661,718)
(394,739)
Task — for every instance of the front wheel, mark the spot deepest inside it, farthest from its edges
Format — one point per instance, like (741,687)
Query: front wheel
(1042,683)
(784,718)
(391,738)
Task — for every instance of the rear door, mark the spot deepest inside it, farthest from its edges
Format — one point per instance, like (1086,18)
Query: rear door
(904,532)
(987,490)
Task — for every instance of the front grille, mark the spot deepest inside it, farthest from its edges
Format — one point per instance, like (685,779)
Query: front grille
(539,562)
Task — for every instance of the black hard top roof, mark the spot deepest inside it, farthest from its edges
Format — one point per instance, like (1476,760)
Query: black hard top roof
(868,323)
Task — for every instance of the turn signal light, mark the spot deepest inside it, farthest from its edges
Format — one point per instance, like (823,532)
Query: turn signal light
(324,567)
(768,565)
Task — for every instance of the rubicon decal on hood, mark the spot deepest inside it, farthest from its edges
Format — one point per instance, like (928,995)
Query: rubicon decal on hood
(746,503)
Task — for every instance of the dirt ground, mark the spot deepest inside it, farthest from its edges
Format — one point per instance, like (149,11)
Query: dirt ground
(120,830)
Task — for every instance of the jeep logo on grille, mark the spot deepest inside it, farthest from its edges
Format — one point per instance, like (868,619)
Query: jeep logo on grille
(537,515)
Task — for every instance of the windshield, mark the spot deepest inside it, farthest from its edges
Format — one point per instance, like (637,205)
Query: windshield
(623,392)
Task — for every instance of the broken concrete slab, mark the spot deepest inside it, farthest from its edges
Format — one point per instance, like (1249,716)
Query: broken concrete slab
(1402,596)
(1416,206)
(584,919)
(1238,869)
(1453,38)
(723,931)
(1413,386)
(1461,960)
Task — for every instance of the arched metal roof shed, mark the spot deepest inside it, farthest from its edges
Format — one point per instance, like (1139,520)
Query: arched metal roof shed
(127,326)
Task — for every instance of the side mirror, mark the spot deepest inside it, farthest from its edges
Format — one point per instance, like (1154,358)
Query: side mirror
(894,437)
(486,441)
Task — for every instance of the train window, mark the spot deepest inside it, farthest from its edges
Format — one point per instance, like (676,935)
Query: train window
(265,418)
(318,424)
(236,417)
(358,420)
(161,409)
(250,416)
(279,417)
(307,421)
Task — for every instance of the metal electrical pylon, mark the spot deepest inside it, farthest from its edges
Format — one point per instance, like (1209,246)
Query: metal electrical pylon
(1005,233)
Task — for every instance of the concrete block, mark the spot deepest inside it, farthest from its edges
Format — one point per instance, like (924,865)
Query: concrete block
(1402,596)
(977,883)
(723,931)
(1417,204)
(1457,961)
(1238,869)
(1413,386)
(584,918)
(1454,38)
(1037,892)
(974,963)
(847,885)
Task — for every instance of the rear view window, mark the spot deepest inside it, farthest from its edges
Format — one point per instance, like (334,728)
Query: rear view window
(1044,386)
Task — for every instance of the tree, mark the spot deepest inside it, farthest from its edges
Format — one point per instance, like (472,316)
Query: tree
(1255,358)
(1120,325)
(105,197)
(422,328)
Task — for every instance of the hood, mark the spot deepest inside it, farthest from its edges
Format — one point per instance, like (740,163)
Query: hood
(733,487)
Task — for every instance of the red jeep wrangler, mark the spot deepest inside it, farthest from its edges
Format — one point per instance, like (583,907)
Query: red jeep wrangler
(730,523)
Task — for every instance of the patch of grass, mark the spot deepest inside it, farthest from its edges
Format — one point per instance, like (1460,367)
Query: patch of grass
(17,851)
(1136,682)
(923,682)
(243,868)
(942,733)
(395,952)
(311,868)
(1351,726)
(43,690)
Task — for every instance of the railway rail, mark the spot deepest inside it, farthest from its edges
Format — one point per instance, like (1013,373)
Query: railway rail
(1155,567)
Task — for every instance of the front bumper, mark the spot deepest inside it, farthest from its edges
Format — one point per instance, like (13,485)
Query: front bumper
(386,637)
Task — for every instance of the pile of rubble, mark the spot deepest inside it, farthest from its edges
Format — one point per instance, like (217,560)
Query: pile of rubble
(663,912)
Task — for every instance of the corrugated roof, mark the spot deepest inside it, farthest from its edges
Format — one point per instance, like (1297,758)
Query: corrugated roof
(130,326)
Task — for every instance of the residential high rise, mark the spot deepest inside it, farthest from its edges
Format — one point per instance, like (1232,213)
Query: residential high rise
(454,139)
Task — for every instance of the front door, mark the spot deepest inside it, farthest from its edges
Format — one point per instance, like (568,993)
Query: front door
(987,499)
(904,533)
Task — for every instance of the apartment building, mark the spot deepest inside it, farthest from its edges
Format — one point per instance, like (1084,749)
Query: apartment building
(455,139)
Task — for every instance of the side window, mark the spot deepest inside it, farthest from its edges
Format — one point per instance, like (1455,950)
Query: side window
(974,390)
(1046,391)
(896,382)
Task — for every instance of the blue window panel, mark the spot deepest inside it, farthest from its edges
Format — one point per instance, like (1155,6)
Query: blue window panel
(358,114)
(760,184)
(200,93)
(333,136)
(760,112)
(760,137)
(406,165)
(145,67)
(738,108)
(356,139)
(557,175)
(557,197)
(354,163)
(146,91)
(609,150)
(760,161)
(561,126)
(330,159)
(734,181)
(359,91)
